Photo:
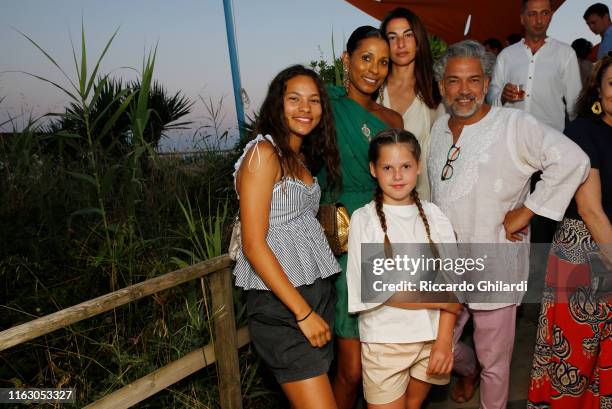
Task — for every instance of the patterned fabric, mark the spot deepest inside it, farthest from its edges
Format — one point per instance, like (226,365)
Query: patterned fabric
(572,364)
(294,234)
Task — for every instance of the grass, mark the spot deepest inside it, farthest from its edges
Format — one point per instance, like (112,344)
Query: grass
(75,227)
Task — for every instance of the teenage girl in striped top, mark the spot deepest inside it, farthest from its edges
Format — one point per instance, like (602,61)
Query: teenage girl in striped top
(285,260)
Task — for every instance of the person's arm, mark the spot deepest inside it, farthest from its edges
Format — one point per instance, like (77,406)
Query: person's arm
(573,83)
(441,357)
(516,223)
(606,44)
(498,81)
(396,301)
(588,199)
(563,164)
(255,184)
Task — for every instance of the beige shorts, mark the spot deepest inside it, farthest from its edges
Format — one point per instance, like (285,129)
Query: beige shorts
(387,369)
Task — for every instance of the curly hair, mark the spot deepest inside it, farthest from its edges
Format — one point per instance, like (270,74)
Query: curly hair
(319,148)
(590,93)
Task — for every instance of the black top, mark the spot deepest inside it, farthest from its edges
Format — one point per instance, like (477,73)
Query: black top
(594,136)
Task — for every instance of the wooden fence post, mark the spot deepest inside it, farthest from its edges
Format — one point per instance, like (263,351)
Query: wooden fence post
(225,341)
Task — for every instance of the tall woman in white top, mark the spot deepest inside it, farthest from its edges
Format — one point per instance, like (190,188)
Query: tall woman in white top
(405,346)
(409,89)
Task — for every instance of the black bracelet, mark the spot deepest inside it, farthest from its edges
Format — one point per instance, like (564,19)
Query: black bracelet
(307,315)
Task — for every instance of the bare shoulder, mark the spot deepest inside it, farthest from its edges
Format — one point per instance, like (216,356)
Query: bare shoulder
(261,159)
(392,118)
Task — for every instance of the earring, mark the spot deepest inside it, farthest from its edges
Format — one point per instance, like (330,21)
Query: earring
(381,95)
(345,79)
(596,108)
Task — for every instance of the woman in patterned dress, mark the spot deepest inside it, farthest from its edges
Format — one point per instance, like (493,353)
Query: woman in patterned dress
(572,365)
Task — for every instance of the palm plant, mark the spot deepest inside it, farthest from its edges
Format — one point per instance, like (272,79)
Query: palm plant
(166,110)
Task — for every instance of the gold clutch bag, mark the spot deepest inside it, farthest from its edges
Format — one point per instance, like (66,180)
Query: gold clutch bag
(334,219)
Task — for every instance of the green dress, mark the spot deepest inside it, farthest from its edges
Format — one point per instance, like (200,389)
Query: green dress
(357,184)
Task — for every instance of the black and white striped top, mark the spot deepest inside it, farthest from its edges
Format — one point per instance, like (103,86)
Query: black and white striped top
(294,233)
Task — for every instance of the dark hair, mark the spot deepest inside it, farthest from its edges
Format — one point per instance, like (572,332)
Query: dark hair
(582,47)
(513,38)
(387,137)
(357,36)
(524,4)
(590,92)
(360,34)
(423,62)
(319,148)
(494,43)
(598,8)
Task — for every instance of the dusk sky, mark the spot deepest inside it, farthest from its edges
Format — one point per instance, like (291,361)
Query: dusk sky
(192,45)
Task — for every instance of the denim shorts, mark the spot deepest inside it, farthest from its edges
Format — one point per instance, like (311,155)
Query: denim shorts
(278,339)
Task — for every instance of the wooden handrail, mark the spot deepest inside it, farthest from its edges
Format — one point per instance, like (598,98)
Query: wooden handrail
(87,309)
(223,349)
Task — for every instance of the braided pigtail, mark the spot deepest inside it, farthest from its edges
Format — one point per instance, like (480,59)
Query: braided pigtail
(387,137)
(417,201)
(378,200)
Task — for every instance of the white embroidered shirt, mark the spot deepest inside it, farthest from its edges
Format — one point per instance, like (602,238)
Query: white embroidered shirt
(491,176)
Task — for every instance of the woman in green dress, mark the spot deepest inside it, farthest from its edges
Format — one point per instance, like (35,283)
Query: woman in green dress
(358,118)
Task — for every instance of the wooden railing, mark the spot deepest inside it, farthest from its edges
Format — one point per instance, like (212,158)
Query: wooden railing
(223,350)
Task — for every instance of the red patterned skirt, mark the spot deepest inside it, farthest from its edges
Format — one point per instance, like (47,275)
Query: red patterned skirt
(572,364)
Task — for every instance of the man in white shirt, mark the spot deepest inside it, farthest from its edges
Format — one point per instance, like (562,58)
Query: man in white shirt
(546,68)
(539,75)
(480,161)
(597,18)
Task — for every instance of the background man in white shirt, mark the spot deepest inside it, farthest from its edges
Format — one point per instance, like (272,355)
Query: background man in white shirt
(539,75)
(480,162)
(546,68)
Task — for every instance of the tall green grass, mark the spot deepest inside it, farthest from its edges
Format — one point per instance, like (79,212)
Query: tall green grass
(76,226)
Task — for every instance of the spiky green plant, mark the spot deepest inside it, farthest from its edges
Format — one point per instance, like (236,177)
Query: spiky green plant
(83,94)
(205,234)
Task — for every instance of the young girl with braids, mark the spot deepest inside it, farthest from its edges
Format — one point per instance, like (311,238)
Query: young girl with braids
(405,346)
